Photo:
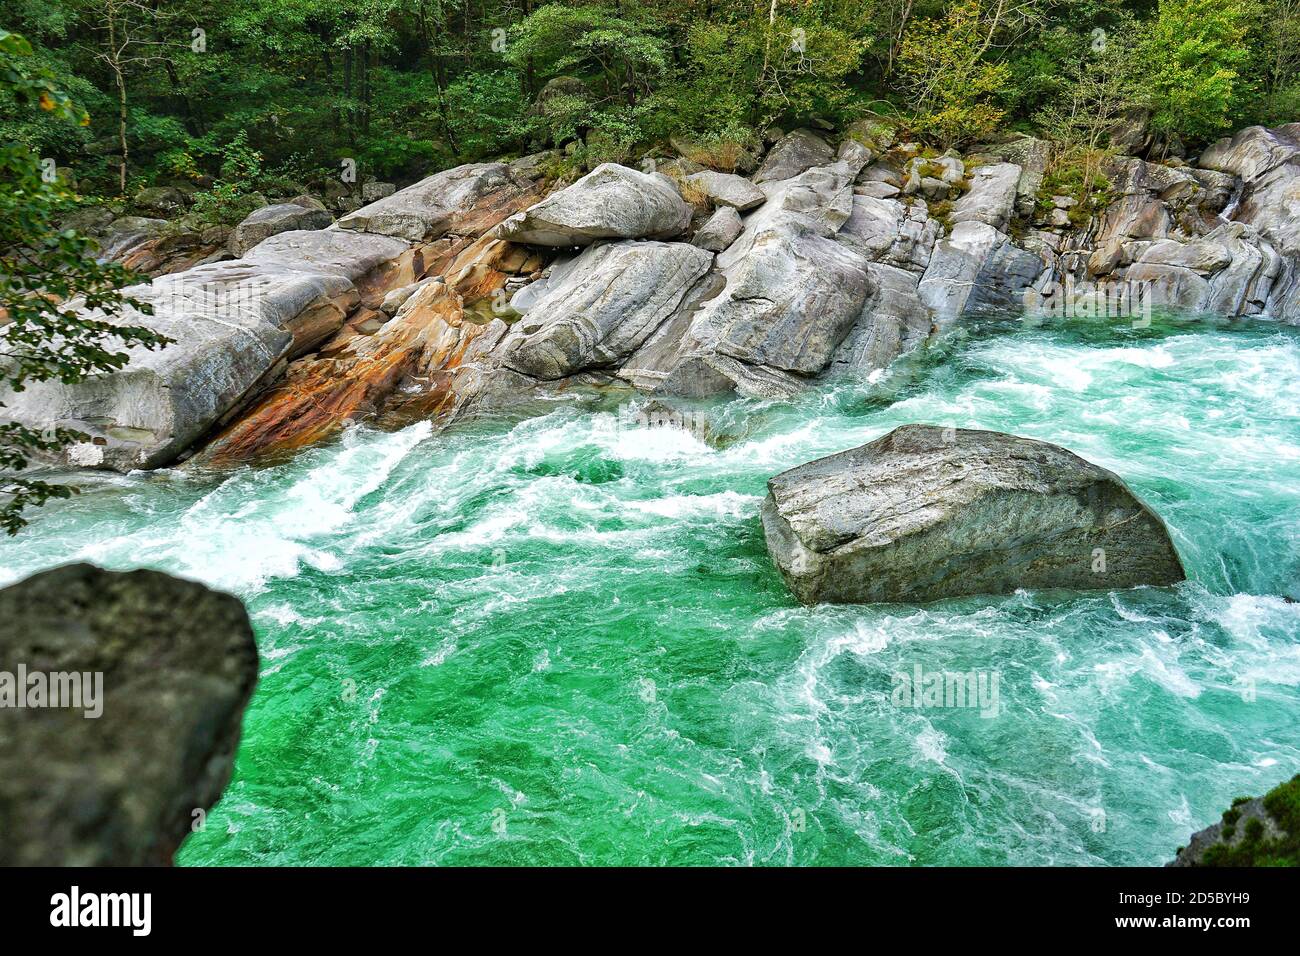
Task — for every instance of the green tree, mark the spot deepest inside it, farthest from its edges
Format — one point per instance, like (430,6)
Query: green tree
(946,76)
(1193,53)
(56,300)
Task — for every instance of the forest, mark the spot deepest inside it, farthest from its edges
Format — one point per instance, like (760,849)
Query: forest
(237,101)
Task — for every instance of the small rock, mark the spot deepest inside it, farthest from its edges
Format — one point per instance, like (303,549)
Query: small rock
(374,191)
(726,189)
(720,231)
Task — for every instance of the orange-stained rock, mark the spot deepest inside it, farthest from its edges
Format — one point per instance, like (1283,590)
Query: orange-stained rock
(358,372)
(357,375)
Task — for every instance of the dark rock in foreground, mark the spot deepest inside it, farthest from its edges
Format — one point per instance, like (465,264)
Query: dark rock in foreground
(178,665)
(926,513)
(1264,831)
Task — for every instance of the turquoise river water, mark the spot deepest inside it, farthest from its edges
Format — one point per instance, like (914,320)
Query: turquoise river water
(560,640)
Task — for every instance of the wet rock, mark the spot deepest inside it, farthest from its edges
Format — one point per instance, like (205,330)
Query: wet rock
(176,664)
(1230,271)
(927,513)
(977,267)
(610,202)
(893,321)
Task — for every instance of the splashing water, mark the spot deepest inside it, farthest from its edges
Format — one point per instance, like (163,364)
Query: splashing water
(561,640)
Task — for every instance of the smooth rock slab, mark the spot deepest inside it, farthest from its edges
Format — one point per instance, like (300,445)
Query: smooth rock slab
(926,513)
(177,664)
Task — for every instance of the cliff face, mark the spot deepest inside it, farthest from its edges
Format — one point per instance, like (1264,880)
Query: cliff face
(480,286)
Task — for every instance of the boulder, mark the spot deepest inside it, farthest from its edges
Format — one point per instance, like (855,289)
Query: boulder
(233,325)
(601,306)
(269,220)
(445,202)
(926,513)
(977,267)
(1031,155)
(728,189)
(788,295)
(893,321)
(720,231)
(793,154)
(534,165)
(374,190)
(127,234)
(889,232)
(787,304)
(559,88)
(161,201)
(1263,831)
(991,198)
(170,666)
(1230,271)
(610,202)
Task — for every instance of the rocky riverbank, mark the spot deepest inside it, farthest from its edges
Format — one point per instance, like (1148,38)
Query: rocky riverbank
(484,286)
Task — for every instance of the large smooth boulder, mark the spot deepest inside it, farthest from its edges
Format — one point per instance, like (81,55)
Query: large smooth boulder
(600,307)
(610,202)
(793,154)
(926,513)
(233,324)
(268,221)
(446,202)
(152,674)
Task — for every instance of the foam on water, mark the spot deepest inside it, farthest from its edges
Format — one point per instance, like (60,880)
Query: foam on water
(562,641)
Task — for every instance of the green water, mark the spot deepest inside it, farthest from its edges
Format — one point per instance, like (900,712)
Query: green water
(561,641)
